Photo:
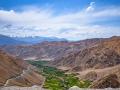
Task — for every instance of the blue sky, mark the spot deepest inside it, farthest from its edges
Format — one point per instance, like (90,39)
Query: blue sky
(70,19)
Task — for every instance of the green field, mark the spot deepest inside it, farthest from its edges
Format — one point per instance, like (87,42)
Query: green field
(57,79)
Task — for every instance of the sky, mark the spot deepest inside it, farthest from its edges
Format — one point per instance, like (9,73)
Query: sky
(69,19)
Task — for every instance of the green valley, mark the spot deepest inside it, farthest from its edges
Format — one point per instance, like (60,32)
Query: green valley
(57,79)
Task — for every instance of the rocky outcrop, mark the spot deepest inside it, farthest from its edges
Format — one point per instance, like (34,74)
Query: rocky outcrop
(92,76)
(16,72)
(109,81)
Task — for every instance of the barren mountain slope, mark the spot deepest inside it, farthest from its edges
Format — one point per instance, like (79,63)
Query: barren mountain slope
(104,54)
(49,50)
(108,81)
(16,72)
(95,74)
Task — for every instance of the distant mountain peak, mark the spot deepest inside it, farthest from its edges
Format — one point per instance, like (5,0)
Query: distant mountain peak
(7,40)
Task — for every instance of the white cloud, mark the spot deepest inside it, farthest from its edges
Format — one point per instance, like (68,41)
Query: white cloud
(109,12)
(91,7)
(73,25)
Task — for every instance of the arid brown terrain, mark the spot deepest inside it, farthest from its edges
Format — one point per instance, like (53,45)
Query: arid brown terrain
(16,72)
(110,80)
(48,50)
(95,62)
(102,55)
(91,59)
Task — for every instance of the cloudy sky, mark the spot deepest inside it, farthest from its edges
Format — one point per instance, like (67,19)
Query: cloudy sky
(70,19)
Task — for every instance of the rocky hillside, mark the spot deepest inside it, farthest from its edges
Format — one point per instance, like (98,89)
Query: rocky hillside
(49,50)
(16,72)
(110,81)
(102,55)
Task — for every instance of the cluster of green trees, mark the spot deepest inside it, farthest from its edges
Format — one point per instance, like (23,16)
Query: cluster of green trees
(57,79)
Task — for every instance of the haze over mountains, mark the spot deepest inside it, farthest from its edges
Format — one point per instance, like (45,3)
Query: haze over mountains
(7,40)
(38,39)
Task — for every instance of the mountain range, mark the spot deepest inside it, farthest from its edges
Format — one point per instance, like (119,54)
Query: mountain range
(103,54)
(90,59)
(7,40)
(38,39)
(49,50)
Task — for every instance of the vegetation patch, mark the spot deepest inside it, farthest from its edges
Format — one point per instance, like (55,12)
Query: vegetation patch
(57,79)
